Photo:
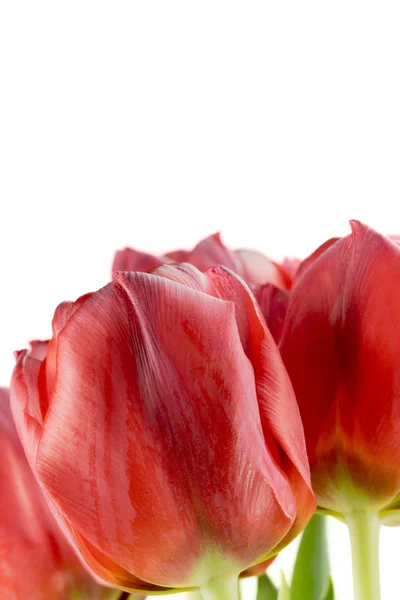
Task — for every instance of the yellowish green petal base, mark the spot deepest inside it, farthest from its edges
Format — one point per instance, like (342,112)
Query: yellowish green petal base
(221,588)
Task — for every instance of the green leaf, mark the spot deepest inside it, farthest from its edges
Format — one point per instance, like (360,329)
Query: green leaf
(311,569)
(284,590)
(266,589)
(329,593)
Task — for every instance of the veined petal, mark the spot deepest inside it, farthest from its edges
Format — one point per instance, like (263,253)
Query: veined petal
(211,251)
(307,262)
(129,259)
(341,344)
(26,401)
(63,313)
(277,403)
(273,303)
(155,387)
(256,268)
(113,573)
(253,266)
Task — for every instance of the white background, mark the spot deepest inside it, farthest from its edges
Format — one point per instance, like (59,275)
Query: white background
(156,123)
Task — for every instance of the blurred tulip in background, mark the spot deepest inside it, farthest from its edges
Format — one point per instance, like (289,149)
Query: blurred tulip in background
(36,561)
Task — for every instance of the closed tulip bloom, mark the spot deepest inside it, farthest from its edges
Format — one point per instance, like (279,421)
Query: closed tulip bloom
(341,346)
(164,428)
(252,266)
(36,561)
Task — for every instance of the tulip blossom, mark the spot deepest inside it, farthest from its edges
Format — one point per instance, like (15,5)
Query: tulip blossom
(36,561)
(252,266)
(341,346)
(163,427)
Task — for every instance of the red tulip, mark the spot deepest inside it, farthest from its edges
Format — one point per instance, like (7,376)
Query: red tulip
(341,346)
(254,267)
(36,561)
(164,428)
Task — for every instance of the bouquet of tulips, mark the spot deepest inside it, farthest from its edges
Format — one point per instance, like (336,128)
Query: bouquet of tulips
(186,421)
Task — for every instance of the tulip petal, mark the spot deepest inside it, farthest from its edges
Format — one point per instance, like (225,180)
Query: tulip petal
(129,259)
(210,251)
(178,256)
(289,269)
(341,345)
(258,569)
(112,573)
(155,386)
(273,303)
(26,401)
(118,577)
(307,262)
(253,266)
(256,268)
(395,238)
(278,407)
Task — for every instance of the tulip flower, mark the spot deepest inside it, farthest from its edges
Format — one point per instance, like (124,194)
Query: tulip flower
(341,347)
(36,561)
(163,427)
(252,266)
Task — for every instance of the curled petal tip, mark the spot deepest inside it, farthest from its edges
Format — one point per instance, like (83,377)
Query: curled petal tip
(18,354)
(38,349)
(358,226)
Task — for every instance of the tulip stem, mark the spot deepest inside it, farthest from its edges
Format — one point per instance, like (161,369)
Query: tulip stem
(364,539)
(221,588)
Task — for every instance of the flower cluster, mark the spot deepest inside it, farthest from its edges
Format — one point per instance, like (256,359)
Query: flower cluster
(184,422)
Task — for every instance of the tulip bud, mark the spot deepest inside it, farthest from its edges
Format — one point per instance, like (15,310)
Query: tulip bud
(163,427)
(341,346)
(36,561)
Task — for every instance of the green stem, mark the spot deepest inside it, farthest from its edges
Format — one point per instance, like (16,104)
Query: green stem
(221,588)
(364,539)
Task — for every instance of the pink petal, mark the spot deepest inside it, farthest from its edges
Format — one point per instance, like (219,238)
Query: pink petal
(307,262)
(278,407)
(129,259)
(153,447)
(256,268)
(273,304)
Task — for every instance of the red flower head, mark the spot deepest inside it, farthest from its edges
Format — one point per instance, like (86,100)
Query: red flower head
(36,561)
(268,280)
(252,266)
(341,346)
(163,426)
